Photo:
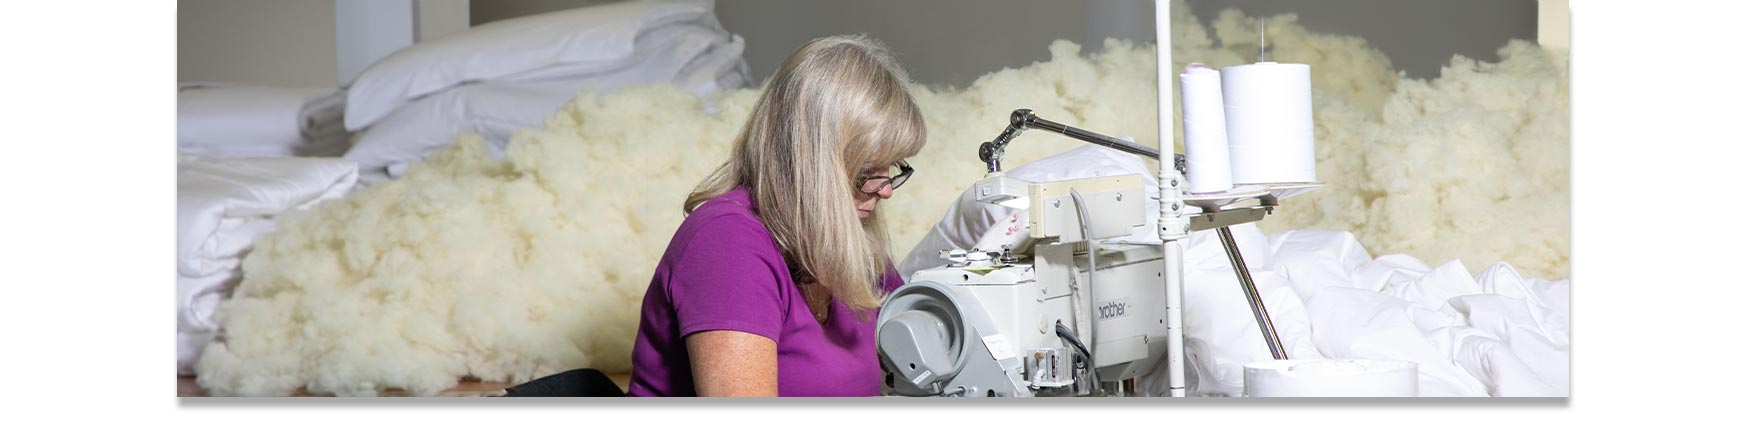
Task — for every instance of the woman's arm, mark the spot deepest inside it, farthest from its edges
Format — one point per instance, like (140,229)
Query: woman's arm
(732,363)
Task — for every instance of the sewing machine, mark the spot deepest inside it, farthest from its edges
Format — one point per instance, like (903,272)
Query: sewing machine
(1044,304)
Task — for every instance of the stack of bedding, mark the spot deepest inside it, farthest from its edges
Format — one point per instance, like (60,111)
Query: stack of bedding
(508,75)
(222,204)
(254,121)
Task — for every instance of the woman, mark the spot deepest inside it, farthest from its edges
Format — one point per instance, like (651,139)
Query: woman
(772,284)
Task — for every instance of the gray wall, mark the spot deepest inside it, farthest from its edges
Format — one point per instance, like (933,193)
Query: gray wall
(942,42)
(296,42)
(951,42)
(1419,36)
(269,42)
(483,11)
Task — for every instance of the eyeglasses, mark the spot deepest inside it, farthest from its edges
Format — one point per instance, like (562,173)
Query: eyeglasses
(871,185)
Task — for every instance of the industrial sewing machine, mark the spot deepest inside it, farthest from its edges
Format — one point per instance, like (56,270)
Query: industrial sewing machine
(1044,304)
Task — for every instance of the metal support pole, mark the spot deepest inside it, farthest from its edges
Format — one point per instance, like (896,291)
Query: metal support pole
(1254,302)
(1175,368)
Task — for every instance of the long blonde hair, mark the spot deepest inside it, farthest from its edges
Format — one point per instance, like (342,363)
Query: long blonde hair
(837,104)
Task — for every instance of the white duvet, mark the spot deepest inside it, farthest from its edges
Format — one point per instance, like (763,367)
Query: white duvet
(1496,334)
(222,204)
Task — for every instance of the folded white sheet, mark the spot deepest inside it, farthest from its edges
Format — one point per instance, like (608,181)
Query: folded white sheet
(222,205)
(239,120)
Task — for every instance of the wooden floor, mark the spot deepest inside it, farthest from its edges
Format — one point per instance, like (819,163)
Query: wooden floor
(186,387)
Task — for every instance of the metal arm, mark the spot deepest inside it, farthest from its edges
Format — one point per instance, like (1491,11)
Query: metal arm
(993,151)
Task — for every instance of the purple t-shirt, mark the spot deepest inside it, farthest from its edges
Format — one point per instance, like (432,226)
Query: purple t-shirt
(723,271)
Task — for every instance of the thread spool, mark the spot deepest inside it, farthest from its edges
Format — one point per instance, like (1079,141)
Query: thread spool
(1203,130)
(1269,117)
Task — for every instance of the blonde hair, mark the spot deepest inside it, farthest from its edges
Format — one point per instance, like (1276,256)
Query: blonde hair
(836,105)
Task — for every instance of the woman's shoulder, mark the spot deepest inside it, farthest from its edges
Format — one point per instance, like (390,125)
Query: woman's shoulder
(739,228)
(732,210)
(729,221)
(723,247)
(730,205)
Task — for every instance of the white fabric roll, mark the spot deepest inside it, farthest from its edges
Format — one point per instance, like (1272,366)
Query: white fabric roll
(1270,123)
(1343,378)
(1208,148)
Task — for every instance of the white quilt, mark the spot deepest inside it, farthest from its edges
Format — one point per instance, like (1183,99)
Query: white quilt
(1494,334)
(222,204)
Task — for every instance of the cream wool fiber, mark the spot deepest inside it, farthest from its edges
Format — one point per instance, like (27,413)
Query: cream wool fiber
(509,269)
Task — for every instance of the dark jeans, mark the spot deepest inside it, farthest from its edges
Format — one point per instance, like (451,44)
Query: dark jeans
(576,382)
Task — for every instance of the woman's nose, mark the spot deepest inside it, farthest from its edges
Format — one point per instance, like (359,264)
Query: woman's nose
(885,191)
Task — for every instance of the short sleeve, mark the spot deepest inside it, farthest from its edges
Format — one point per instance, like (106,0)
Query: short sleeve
(726,279)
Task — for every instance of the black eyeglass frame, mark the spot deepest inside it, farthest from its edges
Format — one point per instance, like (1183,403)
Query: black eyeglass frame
(897,181)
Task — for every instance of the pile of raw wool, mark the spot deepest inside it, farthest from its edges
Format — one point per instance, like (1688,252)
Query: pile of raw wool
(534,263)
(1473,166)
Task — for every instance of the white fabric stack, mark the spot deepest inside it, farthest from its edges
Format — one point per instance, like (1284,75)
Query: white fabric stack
(237,120)
(222,204)
(1496,334)
(508,75)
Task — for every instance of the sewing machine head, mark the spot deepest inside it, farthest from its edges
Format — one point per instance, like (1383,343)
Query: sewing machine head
(1016,314)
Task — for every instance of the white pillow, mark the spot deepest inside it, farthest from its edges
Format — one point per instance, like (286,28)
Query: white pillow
(699,62)
(588,38)
(492,110)
(649,44)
